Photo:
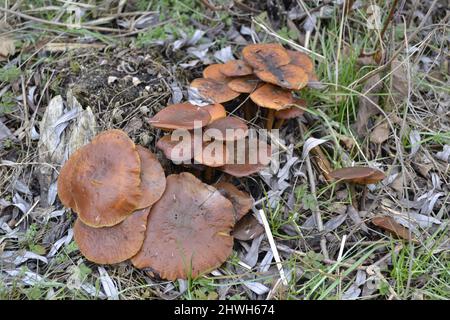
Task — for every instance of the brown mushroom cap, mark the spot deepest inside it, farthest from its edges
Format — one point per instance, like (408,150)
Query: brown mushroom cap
(216,111)
(106,181)
(65,179)
(176,150)
(212,154)
(188,230)
(227,129)
(180,116)
(254,158)
(302,60)
(265,56)
(213,71)
(153,179)
(272,97)
(236,68)
(114,244)
(245,84)
(288,76)
(242,201)
(213,90)
(292,112)
(358,175)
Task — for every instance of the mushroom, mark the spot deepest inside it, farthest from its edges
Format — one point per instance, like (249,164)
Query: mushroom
(290,113)
(246,84)
(213,71)
(213,90)
(227,129)
(242,201)
(248,158)
(114,244)
(273,98)
(105,183)
(265,56)
(153,179)
(216,111)
(180,116)
(288,76)
(175,150)
(188,230)
(358,175)
(302,60)
(236,68)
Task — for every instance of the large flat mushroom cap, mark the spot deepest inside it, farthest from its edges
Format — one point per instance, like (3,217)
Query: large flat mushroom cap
(114,244)
(302,60)
(213,71)
(292,112)
(180,116)
(272,97)
(64,184)
(177,150)
(266,55)
(288,76)
(213,90)
(242,201)
(358,175)
(245,84)
(227,129)
(106,181)
(153,179)
(188,230)
(236,68)
(249,157)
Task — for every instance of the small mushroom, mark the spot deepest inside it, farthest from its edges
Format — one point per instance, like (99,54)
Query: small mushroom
(290,113)
(216,111)
(213,71)
(246,84)
(227,129)
(265,56)
(177,151)
(242,201)
(273,98)
(188,230)
(105,183)
(248,158)
(153,179)
(180,116)
(114,244)
(236,68)
(213,90)
(288,76)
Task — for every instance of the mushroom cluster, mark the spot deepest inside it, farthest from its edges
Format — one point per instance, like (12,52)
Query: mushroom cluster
(268,74)
(176,227)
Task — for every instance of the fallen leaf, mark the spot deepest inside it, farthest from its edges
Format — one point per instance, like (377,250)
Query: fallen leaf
(247,228)
(380,134)
(7,48)
(399,82)
(389,224)
(367,103)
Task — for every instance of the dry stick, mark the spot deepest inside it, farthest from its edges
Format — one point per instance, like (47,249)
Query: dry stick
(273,246)
(315,211)
(389,19)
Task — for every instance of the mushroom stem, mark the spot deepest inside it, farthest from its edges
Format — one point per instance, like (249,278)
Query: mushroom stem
(270,119)
(278,124)
(353,196)
(209,174)
(362,205)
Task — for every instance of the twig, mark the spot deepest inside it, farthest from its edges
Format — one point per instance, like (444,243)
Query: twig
(273,246)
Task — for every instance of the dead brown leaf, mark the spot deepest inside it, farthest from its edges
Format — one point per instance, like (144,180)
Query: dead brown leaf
(389,224)
(381,133)
(7,48)
(367,103)
(399,82)
(247,228)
